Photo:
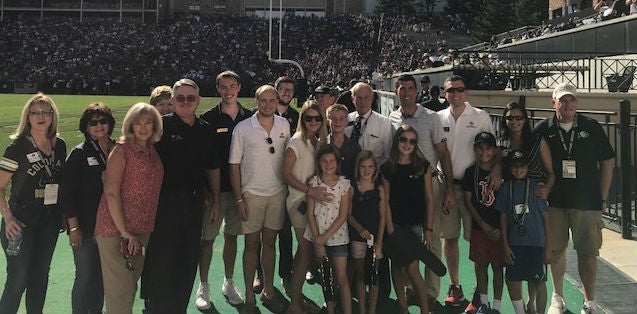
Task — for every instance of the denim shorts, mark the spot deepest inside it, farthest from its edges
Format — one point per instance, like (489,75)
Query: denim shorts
(337,250)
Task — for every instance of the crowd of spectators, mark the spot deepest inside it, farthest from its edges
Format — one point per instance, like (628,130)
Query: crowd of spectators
(104,56)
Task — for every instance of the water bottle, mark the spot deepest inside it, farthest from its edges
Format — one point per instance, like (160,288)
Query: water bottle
(13,249)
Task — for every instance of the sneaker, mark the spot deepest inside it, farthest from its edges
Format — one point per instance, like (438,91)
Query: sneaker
(558,306)
(455,296)
(483,309)
(589,307)
(475,303)
(230,292)
(203,297)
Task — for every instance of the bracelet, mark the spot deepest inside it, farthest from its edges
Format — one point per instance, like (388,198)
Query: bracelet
(73,229)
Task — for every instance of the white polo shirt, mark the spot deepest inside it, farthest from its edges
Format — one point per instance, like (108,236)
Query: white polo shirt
(260,169)
(376,134)
(460,135)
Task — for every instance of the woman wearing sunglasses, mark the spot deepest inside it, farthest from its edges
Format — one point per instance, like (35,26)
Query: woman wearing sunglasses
(31,220)
(517,135)
(81,190)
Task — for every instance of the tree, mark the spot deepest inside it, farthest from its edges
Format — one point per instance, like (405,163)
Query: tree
(494,17)
(396,7)
(530,12)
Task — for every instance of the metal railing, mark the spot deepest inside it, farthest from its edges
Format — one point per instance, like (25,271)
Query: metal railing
(623,138)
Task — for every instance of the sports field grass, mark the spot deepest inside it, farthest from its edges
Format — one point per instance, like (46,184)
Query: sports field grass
(62,268)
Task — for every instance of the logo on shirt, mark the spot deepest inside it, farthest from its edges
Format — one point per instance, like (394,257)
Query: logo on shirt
(486,195)
(471,125)
(583,134)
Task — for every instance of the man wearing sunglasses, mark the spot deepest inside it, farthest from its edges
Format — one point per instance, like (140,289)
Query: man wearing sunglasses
(433,144)
(191,177)
(461,122)
(256,156)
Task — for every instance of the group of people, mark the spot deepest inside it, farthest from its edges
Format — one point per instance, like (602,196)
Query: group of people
(151,204)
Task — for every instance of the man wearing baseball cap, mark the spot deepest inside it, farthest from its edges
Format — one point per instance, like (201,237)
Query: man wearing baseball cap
(583,161)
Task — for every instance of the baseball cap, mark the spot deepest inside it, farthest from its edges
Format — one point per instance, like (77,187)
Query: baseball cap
(517,157)
(564,89)
(323,90)
(484,137)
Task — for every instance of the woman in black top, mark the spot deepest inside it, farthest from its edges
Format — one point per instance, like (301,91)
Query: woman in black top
(32,163)
(81,191)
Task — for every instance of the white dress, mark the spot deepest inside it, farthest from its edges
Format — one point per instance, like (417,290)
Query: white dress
(326,214)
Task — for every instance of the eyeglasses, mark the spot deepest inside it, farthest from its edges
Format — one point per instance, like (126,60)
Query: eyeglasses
(315,118)
(516,118)
(411,141)
(94,122)
(189,98)
(44,113)
(269,141)
(286,90)
(452,90)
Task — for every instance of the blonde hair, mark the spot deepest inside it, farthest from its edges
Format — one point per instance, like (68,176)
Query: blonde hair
(336,107)
(301,127)
(160,93)
(136,112)
(24,128)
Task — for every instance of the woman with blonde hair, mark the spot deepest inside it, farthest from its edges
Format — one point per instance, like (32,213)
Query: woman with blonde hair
(31,220)
(126,213)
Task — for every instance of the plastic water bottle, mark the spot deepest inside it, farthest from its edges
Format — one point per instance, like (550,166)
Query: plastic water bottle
(13,249)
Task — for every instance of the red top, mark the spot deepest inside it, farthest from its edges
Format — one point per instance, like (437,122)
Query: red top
(141,184)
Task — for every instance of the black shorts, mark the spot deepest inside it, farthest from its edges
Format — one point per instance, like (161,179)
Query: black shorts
(528,264)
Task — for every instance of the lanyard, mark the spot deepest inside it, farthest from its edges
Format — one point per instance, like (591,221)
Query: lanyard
(99,151)
(519,219)
(570,143)
(47,161)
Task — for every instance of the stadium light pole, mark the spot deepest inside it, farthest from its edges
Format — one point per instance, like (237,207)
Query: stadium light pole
(280,60)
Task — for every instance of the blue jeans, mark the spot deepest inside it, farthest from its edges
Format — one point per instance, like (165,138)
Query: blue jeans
(88,289)
(30,269)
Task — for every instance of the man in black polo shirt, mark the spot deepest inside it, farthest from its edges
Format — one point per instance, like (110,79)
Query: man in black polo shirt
(191,167)
(222,118)
(583,161)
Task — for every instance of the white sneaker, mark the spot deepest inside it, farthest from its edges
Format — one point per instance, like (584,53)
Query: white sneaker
(558,306)
(589,307)
(230,292)
(203,297)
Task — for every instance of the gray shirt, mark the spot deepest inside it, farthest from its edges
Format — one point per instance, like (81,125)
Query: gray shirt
(427,124)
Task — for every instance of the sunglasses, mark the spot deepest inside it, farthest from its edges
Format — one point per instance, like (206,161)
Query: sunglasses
(516,118)
(94,122)
(411,141)
(310,118)
(45,113)
(452,90)
(269,141)
(189,98)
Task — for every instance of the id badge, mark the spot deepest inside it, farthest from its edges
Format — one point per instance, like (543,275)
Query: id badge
(521,209)
(569,170)
(51,194)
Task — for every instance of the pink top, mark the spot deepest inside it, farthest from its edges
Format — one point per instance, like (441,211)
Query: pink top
(141,184)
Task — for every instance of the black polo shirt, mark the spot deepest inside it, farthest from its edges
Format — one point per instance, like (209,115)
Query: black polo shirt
(222,127)
(186,153)
(590,146)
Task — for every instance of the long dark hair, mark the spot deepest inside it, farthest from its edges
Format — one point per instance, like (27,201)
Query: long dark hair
(416,157)
(527,135)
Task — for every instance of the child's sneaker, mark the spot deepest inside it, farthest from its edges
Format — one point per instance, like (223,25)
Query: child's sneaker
(475,303)
(589,307)
(558,306)
(455,295)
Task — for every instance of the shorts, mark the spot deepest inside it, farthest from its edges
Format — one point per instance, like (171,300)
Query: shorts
(264,212)
(337,250)
(297,219)
(528,264)
(228,215)
(585,225)
(358,250)
(448,224)
(485,251)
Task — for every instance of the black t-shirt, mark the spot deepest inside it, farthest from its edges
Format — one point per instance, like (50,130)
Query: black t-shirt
(590,146)
(186,153)
(292,116)
(406,194)
(484,200)
(222,127)
(32,170)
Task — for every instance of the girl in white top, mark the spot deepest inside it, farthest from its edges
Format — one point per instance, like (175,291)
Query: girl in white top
(327,221)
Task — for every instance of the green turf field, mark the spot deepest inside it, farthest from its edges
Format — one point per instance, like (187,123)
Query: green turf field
(62,268)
